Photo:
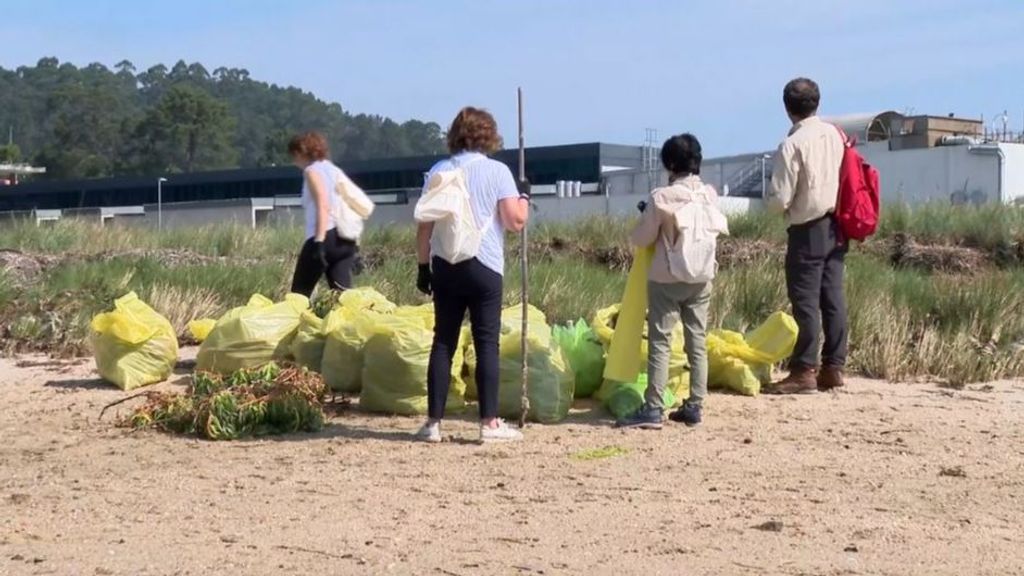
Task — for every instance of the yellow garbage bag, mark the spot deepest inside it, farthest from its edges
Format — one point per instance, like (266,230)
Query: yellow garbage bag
(743,365)
(133,344)
(552,383)
(624,354)
(347,331)
(200,329)
(252,335)
(396,357)
(308,344)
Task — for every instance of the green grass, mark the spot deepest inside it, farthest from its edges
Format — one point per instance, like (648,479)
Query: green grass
(905,323)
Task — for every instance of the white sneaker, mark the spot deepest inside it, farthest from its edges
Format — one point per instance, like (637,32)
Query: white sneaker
(502,433)
(430,432)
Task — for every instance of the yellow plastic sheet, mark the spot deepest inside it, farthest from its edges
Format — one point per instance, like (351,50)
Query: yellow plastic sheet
(743,365)
(625,359)
(252,335)
(133,344)
(552,383)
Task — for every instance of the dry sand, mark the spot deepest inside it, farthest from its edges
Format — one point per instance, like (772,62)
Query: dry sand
(878,479)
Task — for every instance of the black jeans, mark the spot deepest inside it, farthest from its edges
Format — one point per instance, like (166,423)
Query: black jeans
(815,263)
(459,287)
(341,258)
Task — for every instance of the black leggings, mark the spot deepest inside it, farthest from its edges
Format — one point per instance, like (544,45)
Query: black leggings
(341,258)
(459,287)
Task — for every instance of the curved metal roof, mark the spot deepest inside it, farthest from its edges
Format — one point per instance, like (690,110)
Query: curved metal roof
(869,127)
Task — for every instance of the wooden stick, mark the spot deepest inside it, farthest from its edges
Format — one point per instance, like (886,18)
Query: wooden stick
(148,393)
(525,264)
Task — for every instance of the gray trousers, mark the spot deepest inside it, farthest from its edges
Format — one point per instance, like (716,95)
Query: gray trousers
(667,303)
(815,262)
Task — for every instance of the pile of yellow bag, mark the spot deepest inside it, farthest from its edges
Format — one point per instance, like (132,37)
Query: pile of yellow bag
(366,345)
(369,346)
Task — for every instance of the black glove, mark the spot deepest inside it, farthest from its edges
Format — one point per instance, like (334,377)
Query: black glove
(524,188)
(321,253)
(423,279)
(642,206)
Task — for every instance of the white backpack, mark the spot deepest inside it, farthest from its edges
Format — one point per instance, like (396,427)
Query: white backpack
(352,207)
(691,258)
(446,204)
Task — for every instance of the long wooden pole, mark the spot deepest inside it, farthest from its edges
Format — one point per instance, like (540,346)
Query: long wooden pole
(525,264)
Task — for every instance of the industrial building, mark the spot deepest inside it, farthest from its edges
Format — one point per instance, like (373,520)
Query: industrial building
(921,159)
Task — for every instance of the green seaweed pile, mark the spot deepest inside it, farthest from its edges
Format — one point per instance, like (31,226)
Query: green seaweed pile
(258,402)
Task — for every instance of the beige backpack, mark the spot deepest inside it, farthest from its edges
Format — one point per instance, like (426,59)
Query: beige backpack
(446,204)
(352,208)
(699,223)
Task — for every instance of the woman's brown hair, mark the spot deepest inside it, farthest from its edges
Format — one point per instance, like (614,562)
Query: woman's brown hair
(311,146)
(474,130)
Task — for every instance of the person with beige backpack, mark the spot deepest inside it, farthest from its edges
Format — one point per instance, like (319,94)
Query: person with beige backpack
(682,221)
(335,209)
(469,201)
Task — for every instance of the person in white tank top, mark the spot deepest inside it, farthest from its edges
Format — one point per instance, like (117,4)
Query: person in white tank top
(324,251)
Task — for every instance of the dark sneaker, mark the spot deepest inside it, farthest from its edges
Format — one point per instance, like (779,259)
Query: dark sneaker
(799,381)
(689,414)
(646,418)
(830,378)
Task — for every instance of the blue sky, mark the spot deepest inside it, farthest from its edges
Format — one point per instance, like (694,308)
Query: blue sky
(592,70)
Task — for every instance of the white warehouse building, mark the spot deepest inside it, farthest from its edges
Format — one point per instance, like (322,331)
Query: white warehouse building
(920,159)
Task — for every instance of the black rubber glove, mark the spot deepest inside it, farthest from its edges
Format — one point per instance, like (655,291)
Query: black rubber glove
(321,253)
(524,188)
(642,206)
(423,279)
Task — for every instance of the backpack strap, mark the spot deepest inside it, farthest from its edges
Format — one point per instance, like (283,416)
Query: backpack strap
(847,141)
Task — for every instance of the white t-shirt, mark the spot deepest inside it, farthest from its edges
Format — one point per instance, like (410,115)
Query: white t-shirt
(328,176)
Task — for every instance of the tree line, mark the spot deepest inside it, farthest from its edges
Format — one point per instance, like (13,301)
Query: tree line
(95,121)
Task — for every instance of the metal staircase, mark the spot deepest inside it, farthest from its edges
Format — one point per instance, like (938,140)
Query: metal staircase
(753,179)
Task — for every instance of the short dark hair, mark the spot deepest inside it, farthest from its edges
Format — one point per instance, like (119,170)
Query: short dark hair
(474,130)
(801,97)
(681,154)
(311,146)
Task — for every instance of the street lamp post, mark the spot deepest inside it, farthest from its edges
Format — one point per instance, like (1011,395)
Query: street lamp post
(764,174)
(160,203)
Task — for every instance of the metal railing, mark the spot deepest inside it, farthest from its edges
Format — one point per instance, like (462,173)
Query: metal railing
(752,180)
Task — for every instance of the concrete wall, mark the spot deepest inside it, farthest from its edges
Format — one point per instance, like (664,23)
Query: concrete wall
(1013,173)
(942,174)
(200,214)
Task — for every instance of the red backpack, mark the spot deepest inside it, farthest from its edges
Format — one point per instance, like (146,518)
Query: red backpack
(859,203)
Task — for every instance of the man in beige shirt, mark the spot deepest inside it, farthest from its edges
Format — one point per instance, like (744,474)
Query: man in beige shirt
(805,187)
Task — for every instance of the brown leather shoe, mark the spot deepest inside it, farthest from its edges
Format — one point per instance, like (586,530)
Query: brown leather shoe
(830,378)
(799,381)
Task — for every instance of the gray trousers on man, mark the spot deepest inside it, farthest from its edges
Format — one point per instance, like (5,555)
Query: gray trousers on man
(666,304)
(815,263)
